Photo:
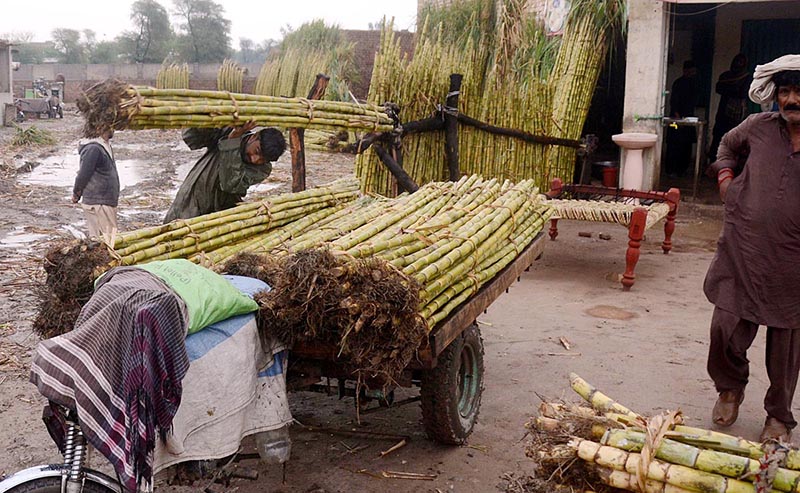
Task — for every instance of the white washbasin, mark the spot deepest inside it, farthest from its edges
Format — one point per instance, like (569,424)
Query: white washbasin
(635,140)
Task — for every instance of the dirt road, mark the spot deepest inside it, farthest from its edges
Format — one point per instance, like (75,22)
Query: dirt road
(646,348)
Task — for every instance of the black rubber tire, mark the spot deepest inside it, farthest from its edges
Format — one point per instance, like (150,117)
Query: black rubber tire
(451,392)
(53,485)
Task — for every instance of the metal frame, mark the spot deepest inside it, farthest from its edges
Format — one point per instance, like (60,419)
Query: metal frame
(55,470)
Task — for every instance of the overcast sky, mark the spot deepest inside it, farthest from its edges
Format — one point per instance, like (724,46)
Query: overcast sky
(257,20)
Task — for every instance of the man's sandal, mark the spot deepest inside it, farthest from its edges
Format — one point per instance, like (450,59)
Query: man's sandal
(726,410)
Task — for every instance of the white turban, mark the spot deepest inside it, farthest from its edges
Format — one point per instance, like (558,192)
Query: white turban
(762,90)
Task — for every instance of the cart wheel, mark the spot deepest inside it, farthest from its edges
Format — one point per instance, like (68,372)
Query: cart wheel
(451,392)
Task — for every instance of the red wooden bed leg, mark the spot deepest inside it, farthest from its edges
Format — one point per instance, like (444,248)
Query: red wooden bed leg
(553,228)
(673,198)
(635,234)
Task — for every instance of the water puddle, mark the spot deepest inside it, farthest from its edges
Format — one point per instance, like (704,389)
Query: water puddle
(60,171)
(263,188)
(19,239)
(609,311)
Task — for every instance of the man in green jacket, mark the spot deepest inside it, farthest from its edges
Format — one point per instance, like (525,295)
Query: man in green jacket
(235,159)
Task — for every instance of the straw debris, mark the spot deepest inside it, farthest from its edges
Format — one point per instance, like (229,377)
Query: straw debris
(71,267)
(366,307)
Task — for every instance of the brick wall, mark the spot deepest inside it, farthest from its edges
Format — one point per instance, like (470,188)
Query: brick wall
(201,76)
(79,76)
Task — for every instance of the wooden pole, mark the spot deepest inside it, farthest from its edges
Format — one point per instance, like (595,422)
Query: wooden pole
(296,137)
(517,134)
(451,127)
(405,181)
(424,125)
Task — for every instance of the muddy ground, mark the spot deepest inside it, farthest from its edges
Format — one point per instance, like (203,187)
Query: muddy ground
(646,348)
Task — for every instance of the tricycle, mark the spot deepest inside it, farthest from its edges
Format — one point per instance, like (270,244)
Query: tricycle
(449,371)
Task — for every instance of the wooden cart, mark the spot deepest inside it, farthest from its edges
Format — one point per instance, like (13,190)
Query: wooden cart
(449,371)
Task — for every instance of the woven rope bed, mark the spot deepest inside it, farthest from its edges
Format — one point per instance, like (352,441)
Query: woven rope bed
(636,210)
(607,212)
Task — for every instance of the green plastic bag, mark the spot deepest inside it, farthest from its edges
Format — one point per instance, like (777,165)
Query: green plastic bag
(209,297)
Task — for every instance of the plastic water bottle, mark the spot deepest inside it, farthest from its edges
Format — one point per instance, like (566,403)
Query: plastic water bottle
(274,446)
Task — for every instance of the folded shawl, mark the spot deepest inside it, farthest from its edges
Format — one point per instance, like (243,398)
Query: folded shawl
(120,369)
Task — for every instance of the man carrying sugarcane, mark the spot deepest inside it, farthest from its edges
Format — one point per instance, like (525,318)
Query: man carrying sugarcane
(754,278)
(235,159)
(97,184)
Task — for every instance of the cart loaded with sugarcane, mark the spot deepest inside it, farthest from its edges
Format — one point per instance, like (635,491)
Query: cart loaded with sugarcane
(379,280)
(380,291)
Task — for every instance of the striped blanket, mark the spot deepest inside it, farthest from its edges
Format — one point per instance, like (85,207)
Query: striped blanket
(121,369)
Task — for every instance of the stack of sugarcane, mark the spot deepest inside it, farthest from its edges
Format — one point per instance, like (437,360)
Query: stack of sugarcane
(312,48)
(328,140)
(121,106)
(293,74)
(623,450)
(449,237)
(390,270)
(72,267)
(515,76)
(230,76)
(438,245)
(173,76)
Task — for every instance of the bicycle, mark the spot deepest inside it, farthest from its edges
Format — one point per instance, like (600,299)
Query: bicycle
(71,476)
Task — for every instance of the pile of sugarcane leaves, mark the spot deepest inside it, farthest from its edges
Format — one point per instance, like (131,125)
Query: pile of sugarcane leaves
(31,136)
(372,276)
(606,447)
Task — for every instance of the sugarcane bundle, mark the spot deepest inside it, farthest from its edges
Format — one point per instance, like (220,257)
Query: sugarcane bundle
(623,450)
(230,76)
(173,76)
(293,74)
(303,53)
(377,276)
(515,76)
(118,105)
(371,275)
(72,266)
(588,33)
(328,140)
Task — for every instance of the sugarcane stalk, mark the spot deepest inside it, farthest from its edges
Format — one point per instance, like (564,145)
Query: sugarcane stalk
(272,239)
(625,481)
(597,399)
(681,476)
(331,190)
(725,464)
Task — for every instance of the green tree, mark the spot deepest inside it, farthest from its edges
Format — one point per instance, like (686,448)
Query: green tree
(204,32)
(68,45)
(250,52)
(104,52)
(246,50)
(150,39)
(24,50)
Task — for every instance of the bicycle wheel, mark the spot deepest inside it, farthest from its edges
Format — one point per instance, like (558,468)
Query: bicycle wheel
(52,484)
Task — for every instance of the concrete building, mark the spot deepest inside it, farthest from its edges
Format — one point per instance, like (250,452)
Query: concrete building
(662,34)
(6,85)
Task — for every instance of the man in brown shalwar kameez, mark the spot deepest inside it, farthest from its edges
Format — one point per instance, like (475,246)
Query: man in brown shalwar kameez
(754,278)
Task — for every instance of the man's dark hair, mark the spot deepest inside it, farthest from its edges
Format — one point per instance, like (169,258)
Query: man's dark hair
(688,64)
(272,143)
(786,78)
